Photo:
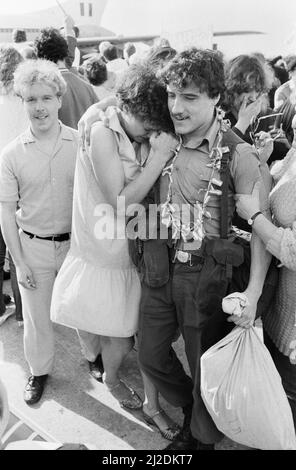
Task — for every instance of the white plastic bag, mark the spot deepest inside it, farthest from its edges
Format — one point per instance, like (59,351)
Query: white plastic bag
(243,392)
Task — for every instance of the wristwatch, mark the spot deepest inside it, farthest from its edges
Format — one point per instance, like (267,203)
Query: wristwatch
(251,219)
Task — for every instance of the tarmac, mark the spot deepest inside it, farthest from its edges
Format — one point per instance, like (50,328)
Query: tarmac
(74,406)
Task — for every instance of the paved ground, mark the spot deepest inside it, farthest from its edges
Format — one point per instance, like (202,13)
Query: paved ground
(75,407)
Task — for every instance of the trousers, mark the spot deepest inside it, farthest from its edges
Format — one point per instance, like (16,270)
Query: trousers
(45,259)
(162,311)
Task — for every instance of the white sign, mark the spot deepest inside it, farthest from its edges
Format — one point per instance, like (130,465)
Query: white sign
(181,40)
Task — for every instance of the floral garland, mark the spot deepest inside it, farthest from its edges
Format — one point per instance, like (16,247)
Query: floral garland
(170,216)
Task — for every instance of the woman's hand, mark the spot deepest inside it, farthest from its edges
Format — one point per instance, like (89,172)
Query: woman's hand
(247,318)
(247,112)
(163,146)
(94,113)
(248,204)
(91,115)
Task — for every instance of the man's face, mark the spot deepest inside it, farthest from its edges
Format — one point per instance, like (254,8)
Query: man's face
(42,106)
(191,110)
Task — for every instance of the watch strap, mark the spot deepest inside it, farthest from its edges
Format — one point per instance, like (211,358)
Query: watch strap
(254,216)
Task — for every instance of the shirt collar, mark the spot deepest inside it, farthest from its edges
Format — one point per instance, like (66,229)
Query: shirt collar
(66,132)
(208,139)
(28,137)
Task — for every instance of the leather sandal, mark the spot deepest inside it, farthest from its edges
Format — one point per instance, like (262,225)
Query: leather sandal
(133,402)
(172,429)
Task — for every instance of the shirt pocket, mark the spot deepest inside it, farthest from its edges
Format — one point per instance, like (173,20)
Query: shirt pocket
(197,182)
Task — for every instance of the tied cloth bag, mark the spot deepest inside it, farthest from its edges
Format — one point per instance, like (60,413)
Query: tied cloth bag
(227,263)
(242,390)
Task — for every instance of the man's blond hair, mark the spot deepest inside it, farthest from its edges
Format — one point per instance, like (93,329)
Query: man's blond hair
(30,72)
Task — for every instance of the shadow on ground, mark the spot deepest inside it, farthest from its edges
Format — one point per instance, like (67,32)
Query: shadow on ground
(77,408)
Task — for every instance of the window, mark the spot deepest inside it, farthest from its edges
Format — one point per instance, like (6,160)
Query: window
(90,9)
(81,9)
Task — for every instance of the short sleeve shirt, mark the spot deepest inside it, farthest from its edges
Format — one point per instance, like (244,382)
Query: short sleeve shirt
(41,184)
(191,177)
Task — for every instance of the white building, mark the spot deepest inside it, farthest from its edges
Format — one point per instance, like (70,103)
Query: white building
(86,14)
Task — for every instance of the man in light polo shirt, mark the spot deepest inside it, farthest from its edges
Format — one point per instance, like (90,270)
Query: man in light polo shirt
(36,186)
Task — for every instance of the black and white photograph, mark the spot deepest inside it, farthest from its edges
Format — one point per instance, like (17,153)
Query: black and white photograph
(147,228)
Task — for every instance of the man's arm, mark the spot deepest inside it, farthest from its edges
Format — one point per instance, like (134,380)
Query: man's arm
(70,38)
(72,42)
(11,236)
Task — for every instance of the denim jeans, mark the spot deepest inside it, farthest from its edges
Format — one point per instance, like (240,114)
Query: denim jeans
(13,280)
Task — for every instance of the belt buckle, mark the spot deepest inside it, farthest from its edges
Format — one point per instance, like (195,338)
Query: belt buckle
(183,256)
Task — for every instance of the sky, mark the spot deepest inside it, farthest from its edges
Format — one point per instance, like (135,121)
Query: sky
(276,19)
(23,6)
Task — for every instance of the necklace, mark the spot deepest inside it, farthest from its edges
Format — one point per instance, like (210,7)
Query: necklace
(170,216)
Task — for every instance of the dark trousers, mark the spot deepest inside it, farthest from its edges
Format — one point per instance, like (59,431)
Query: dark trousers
(287,371)
(162,311)
(13,280)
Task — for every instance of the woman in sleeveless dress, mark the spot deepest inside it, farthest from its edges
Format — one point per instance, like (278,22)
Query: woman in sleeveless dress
(97,289)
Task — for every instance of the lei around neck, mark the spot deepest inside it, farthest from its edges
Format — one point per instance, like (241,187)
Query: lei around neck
(170,215)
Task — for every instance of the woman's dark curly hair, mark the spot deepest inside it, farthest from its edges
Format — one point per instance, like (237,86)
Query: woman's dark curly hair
(96,70)
(143,94)
(244,74)
(51,45)
(202,67)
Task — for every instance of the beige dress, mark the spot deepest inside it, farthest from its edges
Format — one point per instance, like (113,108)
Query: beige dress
(97,289)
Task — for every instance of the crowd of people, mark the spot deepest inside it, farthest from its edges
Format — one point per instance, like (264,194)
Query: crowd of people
(153,128)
